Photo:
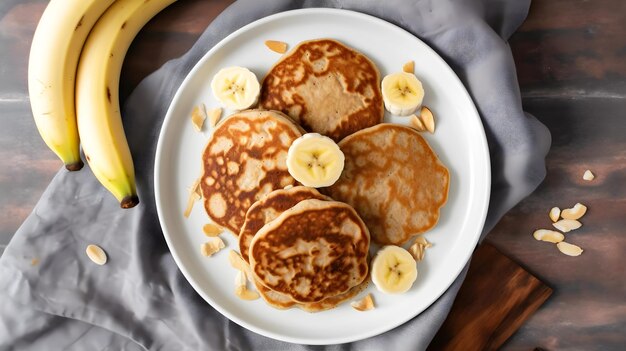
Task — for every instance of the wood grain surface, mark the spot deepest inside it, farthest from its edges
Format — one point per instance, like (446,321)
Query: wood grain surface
(497,297)
(571,65)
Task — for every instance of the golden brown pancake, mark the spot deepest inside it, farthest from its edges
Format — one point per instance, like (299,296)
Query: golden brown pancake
(268,208)
(394,180)
(326,87)
(282,301)
(315,250)
(243,161)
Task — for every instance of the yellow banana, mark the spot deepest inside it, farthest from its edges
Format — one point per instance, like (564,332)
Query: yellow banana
(97,95)
(54,53)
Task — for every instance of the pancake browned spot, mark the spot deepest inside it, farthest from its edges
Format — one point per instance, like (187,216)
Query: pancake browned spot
(394,181)
(282,301)
(326,87)
(315,250)
(244,160)
(268,208)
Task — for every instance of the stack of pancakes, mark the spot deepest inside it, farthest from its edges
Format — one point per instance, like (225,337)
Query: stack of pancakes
(304,248)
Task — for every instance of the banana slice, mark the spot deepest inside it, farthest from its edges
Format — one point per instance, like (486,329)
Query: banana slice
(394,270)
(402,93)
(315,160)
(236,87)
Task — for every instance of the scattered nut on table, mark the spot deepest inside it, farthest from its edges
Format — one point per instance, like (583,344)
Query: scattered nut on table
(588,176)
(550,236)
(569,249)
(567,225)
(575,212)
(555,214)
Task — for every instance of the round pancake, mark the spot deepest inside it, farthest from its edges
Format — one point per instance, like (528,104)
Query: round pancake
(326,87)
(245,159)
(394,180)
(282,301)
(268,208)
(314,250)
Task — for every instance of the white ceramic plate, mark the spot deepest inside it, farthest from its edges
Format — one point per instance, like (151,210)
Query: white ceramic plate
(459,141)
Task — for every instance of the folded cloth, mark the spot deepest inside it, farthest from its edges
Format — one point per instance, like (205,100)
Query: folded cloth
(139,299)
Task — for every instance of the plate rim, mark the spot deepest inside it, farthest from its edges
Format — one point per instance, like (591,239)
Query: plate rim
(484,197)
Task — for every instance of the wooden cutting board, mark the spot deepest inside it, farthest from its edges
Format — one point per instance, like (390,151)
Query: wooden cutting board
(497,296)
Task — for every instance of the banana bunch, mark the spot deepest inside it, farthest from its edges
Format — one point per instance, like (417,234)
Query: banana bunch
(73,81)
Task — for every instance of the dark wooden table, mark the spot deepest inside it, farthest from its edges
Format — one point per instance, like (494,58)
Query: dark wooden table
(571,64)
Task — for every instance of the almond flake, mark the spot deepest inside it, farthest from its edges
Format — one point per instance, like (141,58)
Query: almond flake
(418,248)
(566,225)
(243,293)
(288,187)
(409,67)
(240,279)
(237,262)
(193,197)
(96,254)
(427,118)
(575,212)
(215,114)
(198,115)
(548,235)
(210,247)
(195,193)
(212,230)
(569,249)
(555,214)
(416,123)
(364,304)
(276,46)
(588,175)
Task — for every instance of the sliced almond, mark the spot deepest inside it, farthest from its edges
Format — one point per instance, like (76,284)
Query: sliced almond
(428,119)
(364,304)
(212,230)
(555,214)
(212,246)
(193,197)
(198,115)
(237,262)
(416,123)
(418,248)
(96,254)
(194,194)
(243,293)
(276,46)
(409,67)
(215,114)
(288,187)
(569,249)
(588,176)
(575,212)
(240,279)
(567,225)
(548,235)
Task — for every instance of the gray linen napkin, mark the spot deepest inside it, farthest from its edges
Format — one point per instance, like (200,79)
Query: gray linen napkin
(139,299)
